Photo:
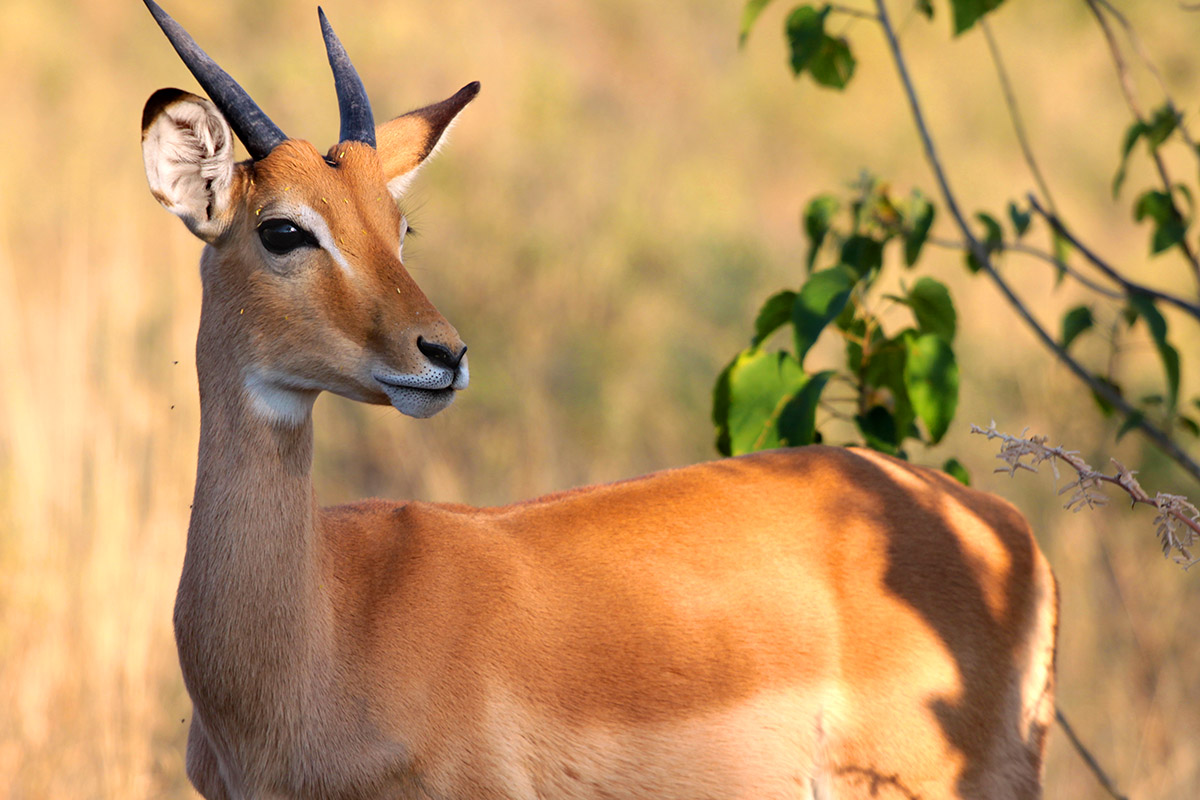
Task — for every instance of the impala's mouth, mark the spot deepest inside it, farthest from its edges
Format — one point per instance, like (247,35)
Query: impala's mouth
(421,395)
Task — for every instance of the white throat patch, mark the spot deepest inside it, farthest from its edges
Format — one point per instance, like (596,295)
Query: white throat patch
(276,403)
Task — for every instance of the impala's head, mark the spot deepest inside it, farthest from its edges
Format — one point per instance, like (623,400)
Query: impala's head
(303,282)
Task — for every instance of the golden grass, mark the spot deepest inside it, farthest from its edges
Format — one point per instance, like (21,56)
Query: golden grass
(610,213)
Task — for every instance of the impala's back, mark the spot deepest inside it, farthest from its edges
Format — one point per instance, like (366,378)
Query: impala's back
(809,623)
(814,623)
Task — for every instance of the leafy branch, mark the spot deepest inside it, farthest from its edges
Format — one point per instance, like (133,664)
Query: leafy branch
(981,256)
(906,382)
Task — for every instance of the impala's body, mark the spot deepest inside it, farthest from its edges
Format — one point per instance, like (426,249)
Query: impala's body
(815,623)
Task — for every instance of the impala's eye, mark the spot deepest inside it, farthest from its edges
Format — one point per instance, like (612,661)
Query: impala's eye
(282,236)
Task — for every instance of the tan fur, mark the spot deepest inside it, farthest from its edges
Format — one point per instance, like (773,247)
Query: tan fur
(810,623)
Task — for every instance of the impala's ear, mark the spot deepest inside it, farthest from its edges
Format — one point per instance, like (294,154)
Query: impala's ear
(188,150)
(405,142)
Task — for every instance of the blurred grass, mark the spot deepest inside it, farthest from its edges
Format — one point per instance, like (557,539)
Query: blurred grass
(610,214)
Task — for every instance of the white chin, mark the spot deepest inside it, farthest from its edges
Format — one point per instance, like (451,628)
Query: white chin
(419,403)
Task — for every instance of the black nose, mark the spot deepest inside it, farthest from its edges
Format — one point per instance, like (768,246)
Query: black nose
(440,354)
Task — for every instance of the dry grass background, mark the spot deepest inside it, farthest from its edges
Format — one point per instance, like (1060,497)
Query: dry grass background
(612,210)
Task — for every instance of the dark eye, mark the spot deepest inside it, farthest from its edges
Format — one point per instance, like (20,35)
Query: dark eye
(282,236)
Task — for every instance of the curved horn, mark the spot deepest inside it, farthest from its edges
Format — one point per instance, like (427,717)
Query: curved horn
(247,120)
(358,123)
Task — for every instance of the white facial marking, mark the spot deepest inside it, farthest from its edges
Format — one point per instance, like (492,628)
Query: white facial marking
(277,403)
(312,221)
(315,223)
(403,233)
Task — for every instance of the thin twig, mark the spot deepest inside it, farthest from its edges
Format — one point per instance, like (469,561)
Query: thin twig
(1151,431)
(1101,777)
(1014,114)
(1131,100)
(1173,509)
(1023,249)
(935,164)
(1102,265)
(851,11)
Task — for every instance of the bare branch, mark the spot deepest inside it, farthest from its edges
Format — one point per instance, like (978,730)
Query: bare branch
(931,156)
(1041,255)
(851,11)
(1100,774)
(1014,113)
(1177,523)
(1100,264)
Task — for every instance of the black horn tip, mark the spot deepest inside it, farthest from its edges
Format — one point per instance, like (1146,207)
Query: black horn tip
(358,123)
(247,120)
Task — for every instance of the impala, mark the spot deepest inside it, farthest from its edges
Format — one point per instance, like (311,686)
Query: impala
(810,623)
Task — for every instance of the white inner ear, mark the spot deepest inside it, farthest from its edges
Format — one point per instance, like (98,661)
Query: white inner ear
(188,151)
(398,185)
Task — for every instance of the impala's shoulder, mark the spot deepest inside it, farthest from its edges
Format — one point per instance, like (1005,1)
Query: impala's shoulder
(387,518)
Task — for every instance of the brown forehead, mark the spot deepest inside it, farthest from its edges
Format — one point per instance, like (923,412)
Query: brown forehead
(352,189)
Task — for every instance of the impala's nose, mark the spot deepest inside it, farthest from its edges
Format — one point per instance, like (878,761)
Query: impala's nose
(440,354)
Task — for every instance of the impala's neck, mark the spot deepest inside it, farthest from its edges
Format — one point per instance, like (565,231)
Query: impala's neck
(251,620)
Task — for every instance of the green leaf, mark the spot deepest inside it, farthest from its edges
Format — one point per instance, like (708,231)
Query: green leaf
(1190,425)
(862,254)
(931,378)
(1061,248)
(1020,219)
(1075,322)
(968,12)
(1132,134)
(930,302)
(720,408)
(798,419)
(833,63)
(856,332)
(1169,227)
(920,220)
(1157,324)
(1106,408)
(1161,125)
(885,371)
(924,7)
(878,427)
(826,58)
(821,299)
(817,217)
(776,312)
(994,238)
(955,469)
(750,14)
(1131,422)
(805,32)
(759,384)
